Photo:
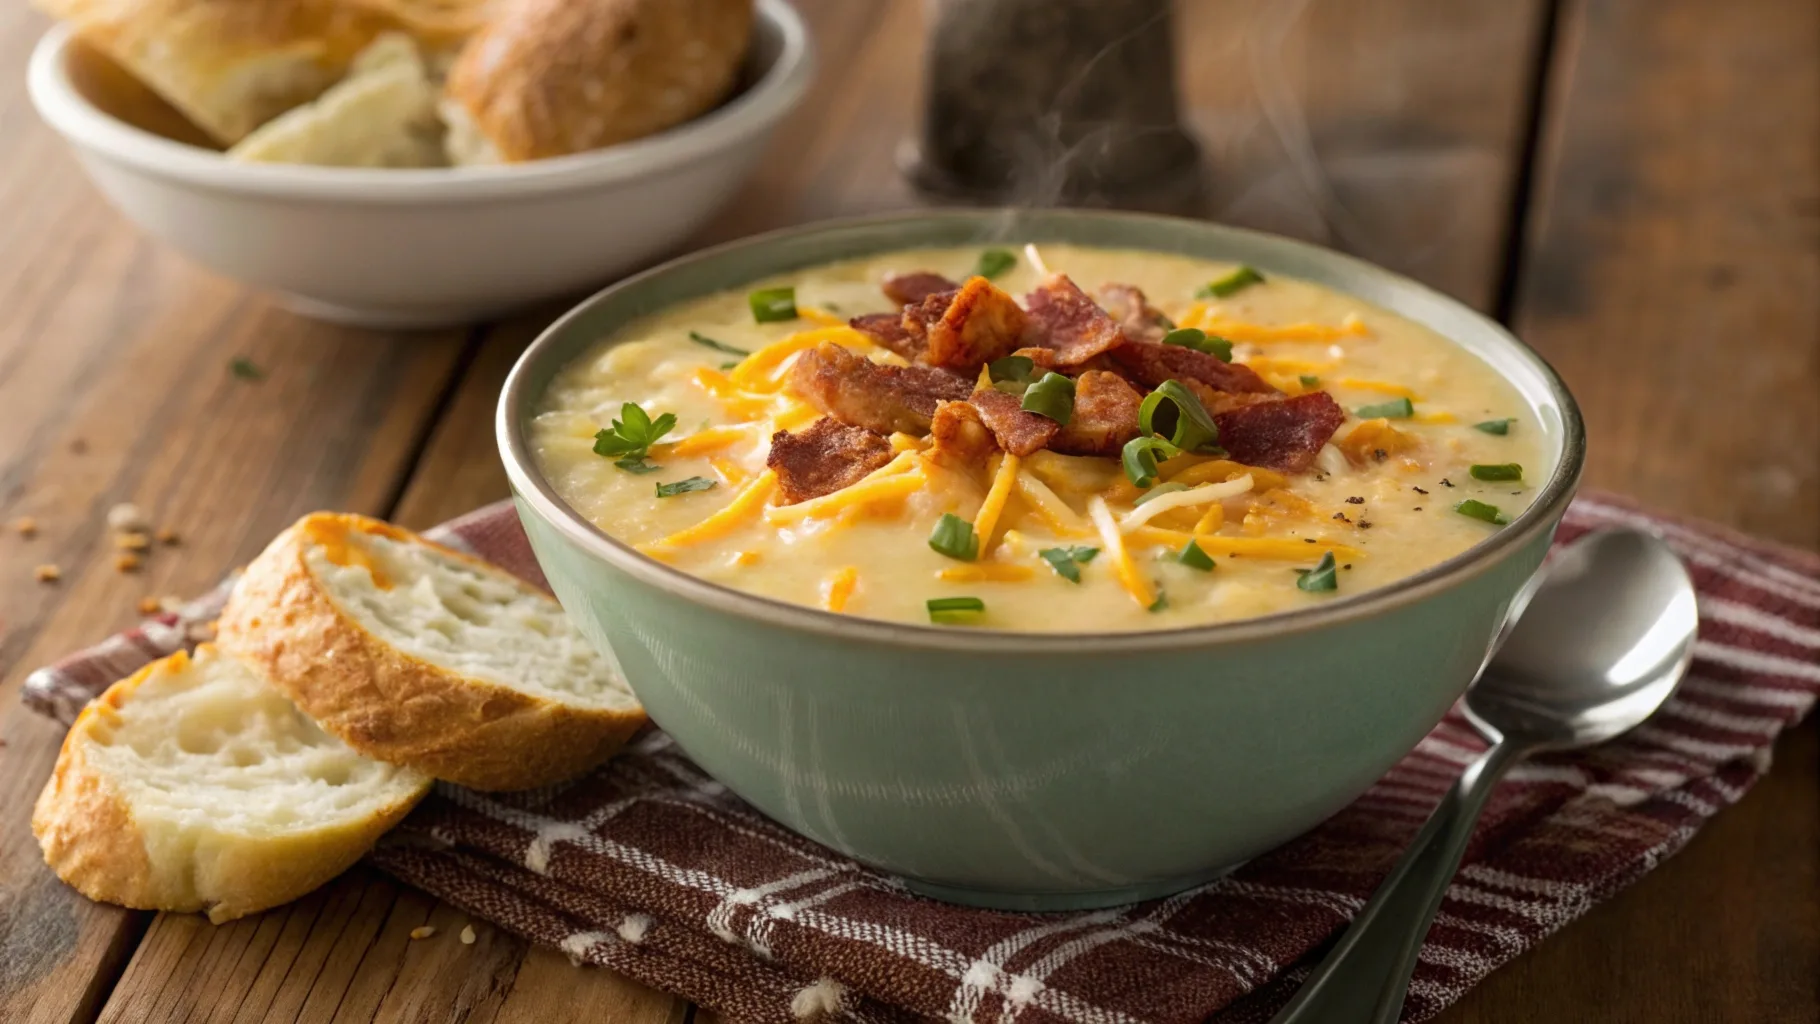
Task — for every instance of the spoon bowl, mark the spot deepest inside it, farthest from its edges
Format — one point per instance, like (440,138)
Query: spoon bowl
(1600,643)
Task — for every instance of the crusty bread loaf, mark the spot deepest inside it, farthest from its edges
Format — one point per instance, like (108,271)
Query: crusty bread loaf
(436,23)
(228,65)
(193,785)
(422,656)
(383,114)
(551,77)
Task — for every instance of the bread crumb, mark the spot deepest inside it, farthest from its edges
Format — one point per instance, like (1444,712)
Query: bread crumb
(150,606)
(423,931)
(26,526)
(467,935)
(132,541)
(126,518)
(128,562)
(79,446)
(168,537)
(47,573)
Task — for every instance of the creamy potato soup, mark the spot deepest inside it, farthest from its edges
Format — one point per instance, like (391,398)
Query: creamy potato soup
(1107,440)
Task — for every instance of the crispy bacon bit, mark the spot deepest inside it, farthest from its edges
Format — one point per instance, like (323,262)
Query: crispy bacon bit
(916,286)
(824,457)
(961,441)
(861,393)
(1139,320)
(1105,416)
(980,325)
(1152,364)
(1017,431)
(919,317)
(888,330)
(1285,435)
(1072,324)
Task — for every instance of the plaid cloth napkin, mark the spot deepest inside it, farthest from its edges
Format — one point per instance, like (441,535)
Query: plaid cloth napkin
(651,868)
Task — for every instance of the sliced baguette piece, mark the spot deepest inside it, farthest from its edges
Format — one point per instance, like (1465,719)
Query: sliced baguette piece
(422,656)
(192,785)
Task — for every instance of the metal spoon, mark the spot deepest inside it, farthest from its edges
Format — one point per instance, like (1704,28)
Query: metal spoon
(1604,636)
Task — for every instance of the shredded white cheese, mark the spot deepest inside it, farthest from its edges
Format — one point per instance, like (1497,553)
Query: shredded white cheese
(1184,499)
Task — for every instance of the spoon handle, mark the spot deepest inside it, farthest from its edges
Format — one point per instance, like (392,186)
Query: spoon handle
(1366,975)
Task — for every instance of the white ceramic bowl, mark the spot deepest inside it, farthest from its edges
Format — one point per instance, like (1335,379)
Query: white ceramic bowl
(419,248)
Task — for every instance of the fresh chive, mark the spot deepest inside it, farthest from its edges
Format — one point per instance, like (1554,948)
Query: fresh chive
(630,438)
(718,346)
(994,262)
(689,486)
(1498,427)
(1200,341)
(1496,471)
(1321,577)
(1233,283)
(245,368)
(1395,409)
(1052,398)
(1480,510)
(729,365)
(1193,557)
(953,536)
(1309,381)
(955,610)
(1158,491)
(1172,411)
(1139,458)
(770,305)
(1067,562)
(1161,602)
(1021,369)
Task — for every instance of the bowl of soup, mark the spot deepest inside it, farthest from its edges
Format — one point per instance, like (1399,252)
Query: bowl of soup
(1044,559)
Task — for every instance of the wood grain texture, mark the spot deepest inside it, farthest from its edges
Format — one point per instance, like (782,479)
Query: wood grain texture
(1674,279)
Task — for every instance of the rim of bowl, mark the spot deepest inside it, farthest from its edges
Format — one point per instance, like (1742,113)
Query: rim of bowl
(776,92)
(531,487)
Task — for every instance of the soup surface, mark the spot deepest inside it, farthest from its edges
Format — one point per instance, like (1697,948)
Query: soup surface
(1200,445)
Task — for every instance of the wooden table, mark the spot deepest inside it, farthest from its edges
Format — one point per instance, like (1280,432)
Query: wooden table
(1634,185)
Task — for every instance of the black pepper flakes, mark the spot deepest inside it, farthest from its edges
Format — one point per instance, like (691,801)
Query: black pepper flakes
(1348,565)
(1418,490)
(1355,501)
(1418,508)
(1379,454)
(1446,482)
(1341,516)
(1364,524)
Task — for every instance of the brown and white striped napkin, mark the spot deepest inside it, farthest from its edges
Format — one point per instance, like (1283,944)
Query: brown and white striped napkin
(651,868)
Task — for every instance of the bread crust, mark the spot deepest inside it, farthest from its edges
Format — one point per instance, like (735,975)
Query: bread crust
(391,706)
(89,837)
(551,77)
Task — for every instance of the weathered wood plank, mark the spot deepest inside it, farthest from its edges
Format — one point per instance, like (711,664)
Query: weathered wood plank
(1674,279)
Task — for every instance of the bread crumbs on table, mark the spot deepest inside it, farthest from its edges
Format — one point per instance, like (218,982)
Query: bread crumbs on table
(423,931)
(150,606)
(127,562)
(25,526)
(79,446)
(126,518)
(168,537)
(467,935)
(132,541)
(47,573)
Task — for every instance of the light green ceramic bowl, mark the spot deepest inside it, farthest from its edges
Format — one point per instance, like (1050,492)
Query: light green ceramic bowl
(1036,771)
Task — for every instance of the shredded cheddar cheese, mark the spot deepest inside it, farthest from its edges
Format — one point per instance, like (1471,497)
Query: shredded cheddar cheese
(820,316)
(1183,499)
(1435,417)
(794,415)
(744,558)
(1193,315)
(757,372)
(986,572)
(838,588)
(1053,511)
(872,489)
(1217,470)
(1127,572)
(902,442)
(729,394)
(1003,480)
(732,472)
(1363,443)
(1212,519)
(701,442)
(1382,386)
(743,506)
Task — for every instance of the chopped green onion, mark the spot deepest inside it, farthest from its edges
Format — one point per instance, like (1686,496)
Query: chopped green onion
(1496,471)
(1200,341)
(1309,381)
(953,536)
(770,305)
(1172,411)
(1067,562)
(1052,398)
(631,437)
(1021,369)
(1480,510)
(994,262)
(718,346)
(1395,409)
(1161,602)
(1231,284)
(955,610)
(245,368)
(1140,455)
(1321,577)
(692,484)
(1158,491)
(1499,427)
(1193,557)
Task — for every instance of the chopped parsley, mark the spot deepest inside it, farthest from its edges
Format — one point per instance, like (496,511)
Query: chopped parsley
(994,262)
(630,438)
(692,484)
(1067,562)
(1319,578)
